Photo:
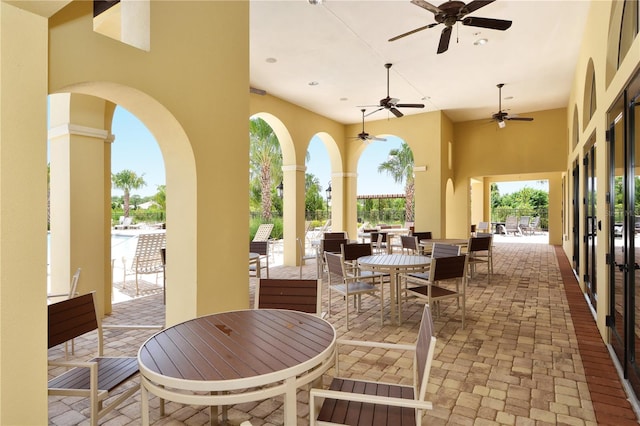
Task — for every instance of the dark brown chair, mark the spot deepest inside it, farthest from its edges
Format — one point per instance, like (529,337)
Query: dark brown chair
(262,248)
(97,378)
(353,401)
(422,235)
(351,253)
(334,235)
(409,244)
(480,252)
(379,241)
(294,294)
(348,285)
(443,269)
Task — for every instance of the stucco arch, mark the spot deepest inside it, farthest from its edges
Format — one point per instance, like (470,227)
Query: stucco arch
(181,180)
(284,137)
(613,40)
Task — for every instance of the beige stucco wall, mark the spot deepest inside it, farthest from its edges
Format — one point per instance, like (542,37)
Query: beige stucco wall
(199,54)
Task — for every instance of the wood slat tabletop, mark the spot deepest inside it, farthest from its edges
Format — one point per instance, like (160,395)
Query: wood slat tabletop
(237,345)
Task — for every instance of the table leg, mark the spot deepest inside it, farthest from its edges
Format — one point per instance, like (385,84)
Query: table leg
(290,402)
(392,295)
(144,405)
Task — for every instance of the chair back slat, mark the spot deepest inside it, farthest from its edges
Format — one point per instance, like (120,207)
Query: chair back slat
(425,347)
(295,294)
(355,250)
(444,250)
(445,268)
(333,245)
(422,235)
(334,236)
(409,243)
(71,318)
(334,264)
(260,247)
(479,244)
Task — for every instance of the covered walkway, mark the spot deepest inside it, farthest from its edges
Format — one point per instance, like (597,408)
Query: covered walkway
(529,355)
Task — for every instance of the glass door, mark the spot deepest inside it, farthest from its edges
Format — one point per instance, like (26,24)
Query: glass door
(624,275)
(591,224)
(576,219)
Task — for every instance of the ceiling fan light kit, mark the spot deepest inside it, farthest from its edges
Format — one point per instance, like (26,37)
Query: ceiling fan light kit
(501,116)
(452,12)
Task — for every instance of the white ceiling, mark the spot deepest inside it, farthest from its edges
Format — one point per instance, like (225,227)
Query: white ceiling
(342,45)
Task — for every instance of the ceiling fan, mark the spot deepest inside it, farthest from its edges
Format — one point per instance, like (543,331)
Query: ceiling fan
(364,136)
(392,104)
(454,11)
(501,116)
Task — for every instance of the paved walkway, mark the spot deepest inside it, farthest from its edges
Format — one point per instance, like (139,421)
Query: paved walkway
(518,361)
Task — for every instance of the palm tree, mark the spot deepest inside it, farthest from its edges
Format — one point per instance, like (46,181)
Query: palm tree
(399,166)
(265,159)
(127,180)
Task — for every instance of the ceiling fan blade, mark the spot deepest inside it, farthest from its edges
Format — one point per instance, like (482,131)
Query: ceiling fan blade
(413,31)
(519,118)
(425,5)
(396,112)
(444,40)
(492,24)
(374,111)
(375,138)
(475,5)
(410,105)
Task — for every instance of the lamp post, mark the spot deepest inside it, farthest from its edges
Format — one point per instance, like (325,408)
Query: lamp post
(328,198)
(280,189)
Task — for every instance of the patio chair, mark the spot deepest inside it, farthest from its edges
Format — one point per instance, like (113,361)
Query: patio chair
(443,269)
(438,250)
(523,223)
(350,254)
(148,257)
(97,378)
(262,248)
(334,235)
(263,233)
(304,256)
(409,244)
(534,226)
(483,228)
(348,285)
(124,223)
(423,235)
(352,401)
(380,243)
(294,294)
(480,252)
(511,225)
(73,292)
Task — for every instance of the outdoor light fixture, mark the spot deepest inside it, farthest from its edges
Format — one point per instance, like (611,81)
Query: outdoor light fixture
(329,192)
(280,189)
(502,124)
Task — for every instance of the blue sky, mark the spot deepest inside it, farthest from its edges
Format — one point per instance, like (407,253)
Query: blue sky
(136,149)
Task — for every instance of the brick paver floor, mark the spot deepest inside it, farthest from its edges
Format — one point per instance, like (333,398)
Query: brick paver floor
(517,362)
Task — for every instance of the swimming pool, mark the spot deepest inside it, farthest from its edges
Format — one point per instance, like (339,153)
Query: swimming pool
(121,246)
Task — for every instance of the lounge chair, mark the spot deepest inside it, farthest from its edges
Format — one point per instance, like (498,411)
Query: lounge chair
(148,257)
(512,225)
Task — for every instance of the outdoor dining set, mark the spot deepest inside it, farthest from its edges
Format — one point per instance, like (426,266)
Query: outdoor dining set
(285,342)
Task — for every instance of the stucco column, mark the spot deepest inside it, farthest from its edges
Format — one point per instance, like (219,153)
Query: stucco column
(351,204)
(427,210)
(293,180)
(23,217)
(77,138)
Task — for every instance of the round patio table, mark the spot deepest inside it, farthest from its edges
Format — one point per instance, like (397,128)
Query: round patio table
(235,357)
(394,264)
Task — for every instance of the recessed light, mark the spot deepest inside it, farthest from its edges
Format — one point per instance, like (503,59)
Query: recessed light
(508,97)
(313,83)
(425,98)
(480,41)
(271,60)
(344,99)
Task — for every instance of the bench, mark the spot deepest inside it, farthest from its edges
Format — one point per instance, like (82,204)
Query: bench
(98,377)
